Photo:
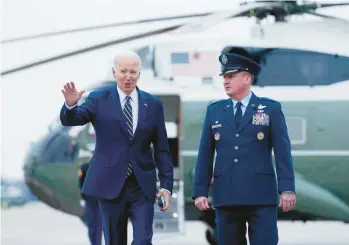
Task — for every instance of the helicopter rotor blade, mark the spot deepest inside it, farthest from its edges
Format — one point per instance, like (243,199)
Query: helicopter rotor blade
(301,3)
(90,48)
(215,18)
(326,5)
(211,19)
(244,10)
(312,12)
(98,27)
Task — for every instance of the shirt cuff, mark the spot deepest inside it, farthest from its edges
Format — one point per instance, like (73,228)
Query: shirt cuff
(69,107)
(162,189)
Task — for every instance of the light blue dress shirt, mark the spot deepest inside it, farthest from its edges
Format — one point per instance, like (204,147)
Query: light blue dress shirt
(244,103)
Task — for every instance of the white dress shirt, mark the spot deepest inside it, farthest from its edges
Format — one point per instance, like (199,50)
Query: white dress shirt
(134,105)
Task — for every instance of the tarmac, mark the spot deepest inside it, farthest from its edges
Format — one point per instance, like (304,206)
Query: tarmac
(38,224)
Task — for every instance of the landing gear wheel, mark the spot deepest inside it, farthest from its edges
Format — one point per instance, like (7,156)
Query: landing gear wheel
(210,238)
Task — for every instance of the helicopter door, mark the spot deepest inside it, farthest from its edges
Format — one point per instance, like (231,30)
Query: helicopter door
(172,221)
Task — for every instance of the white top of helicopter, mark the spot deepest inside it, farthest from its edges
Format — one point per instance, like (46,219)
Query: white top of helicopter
(305,35)
(323,35)
(313,34)
(301,32)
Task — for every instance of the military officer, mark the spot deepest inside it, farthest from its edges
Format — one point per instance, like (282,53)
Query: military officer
(91,211)
(243,130)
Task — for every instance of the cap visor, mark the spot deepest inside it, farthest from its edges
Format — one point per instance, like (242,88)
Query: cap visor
(229,72)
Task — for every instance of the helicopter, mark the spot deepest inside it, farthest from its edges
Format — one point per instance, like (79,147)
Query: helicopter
(309,77)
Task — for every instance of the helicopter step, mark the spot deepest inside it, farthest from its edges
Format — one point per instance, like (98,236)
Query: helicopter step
(172,221)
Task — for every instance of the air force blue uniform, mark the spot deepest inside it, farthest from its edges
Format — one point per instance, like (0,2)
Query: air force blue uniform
(245,188)
(115,149)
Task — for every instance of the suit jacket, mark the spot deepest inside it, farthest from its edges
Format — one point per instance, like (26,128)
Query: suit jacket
(243,171)
(113,150)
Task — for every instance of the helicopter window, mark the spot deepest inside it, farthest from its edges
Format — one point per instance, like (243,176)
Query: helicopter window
(61,151)
(291,67)
(146,56)
(340,68)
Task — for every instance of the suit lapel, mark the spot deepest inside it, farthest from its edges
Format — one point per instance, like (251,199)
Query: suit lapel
(250,110)
(117,109)
(229,113)
(142,110)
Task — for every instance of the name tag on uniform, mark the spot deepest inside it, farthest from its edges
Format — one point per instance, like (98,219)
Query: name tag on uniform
(217,126)
(260,119)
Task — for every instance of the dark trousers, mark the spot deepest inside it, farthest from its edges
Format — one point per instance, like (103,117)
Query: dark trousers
(93,220)
(262,225)
(131,203)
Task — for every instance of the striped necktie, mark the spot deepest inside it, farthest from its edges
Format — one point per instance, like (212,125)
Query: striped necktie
(129,122)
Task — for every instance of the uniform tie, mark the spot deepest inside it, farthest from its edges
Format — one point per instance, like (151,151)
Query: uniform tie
(238,114)
(129,122)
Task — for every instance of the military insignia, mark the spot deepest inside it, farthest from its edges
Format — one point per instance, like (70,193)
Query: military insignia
(217,126)
(260,119)
(224,59)
(260,136)
(261,107)
(217,136)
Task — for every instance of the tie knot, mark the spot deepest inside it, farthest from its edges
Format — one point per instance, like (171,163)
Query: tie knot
(238,105)
(128,98)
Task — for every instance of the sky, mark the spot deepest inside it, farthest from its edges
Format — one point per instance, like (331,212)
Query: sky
(31,99)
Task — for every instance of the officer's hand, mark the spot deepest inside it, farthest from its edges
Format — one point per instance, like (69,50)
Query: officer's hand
(287,201)
(202,203)
(166,195)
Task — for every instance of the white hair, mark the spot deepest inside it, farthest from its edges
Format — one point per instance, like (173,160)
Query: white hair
(128,54)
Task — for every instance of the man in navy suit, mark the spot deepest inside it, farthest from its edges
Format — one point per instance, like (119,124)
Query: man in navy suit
(122,172)
(243,130)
